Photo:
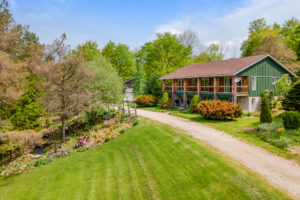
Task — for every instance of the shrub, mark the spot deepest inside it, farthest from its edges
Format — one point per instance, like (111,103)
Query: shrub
(110,122)
(107,139)
(146,100)
(280,132)
(136,122)
(269,127)
(165,101)
(265,112)
(292,101)
(122,131)
(92,117)
(44,161)
(193,104)
(281,143)
(219,110)
(291,119)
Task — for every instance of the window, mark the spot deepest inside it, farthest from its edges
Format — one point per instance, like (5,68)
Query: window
(204,84)
(253,81)
(180,84)
(273,80)
(227,83)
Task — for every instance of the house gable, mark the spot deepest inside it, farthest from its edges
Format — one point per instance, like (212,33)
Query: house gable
(264,70)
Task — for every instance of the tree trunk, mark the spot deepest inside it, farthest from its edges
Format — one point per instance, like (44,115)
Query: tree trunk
(63,135)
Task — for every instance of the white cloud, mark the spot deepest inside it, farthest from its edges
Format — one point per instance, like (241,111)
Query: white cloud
(232,28)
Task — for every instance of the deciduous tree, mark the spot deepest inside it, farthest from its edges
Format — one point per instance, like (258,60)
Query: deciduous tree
(66,76)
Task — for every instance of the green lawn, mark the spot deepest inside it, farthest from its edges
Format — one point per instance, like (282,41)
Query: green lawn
(240,128)
(150,161)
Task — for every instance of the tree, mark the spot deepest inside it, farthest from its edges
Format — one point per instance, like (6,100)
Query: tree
(194,104)
(291,100)
(164,55)
(287,32)
(190,39)
(121,58)
(165,102)
(106,85)
(283,84)
(66,77)
(274,45)
(28,109)
(89,50)
(265,112)
(154,85)
(139,82)
(257,31)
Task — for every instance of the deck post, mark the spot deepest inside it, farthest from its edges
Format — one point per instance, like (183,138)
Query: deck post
(164,86)
(215,88)
(234,99)
(173,92)
(198,87)
(184,93)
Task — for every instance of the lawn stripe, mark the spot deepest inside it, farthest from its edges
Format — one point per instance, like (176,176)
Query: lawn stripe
(129,172)
(149,184)
(115,176)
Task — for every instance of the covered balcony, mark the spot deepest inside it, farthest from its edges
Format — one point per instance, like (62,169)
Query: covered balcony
(211,85)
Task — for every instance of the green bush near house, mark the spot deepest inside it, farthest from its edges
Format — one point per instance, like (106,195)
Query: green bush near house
(193,104)
(265,113)
(291,119)
(165,101)
(292,101)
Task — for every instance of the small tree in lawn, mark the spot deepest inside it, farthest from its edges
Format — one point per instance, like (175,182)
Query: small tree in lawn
(265,112)
(165,101)
(66,76)
(193,104)
(292,101)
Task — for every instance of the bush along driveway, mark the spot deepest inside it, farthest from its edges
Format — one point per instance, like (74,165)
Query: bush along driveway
(279,171)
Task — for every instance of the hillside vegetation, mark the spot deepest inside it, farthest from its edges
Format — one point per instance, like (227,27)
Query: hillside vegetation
(149,161)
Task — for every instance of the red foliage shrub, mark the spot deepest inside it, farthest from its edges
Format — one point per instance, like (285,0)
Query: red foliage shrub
(219,110)
(146,100)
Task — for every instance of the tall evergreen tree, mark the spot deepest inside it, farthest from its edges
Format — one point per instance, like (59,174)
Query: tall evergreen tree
(292,101)
(265,111)
(28,110)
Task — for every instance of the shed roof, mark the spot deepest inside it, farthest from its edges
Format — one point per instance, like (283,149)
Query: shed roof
(228,67)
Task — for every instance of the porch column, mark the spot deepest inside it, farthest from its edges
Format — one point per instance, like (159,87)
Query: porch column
(215,88)
(234,99)
(198,87)
(184,93)
(164,85)
(173,92)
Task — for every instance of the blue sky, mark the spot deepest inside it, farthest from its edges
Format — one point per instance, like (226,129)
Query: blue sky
(134,22)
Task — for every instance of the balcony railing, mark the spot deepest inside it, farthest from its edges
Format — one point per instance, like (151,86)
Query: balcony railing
(191,86)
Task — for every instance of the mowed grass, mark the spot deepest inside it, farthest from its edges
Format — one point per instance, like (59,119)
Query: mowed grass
(150,161)
(240,128)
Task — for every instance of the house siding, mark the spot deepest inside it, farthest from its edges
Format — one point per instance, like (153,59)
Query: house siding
(264,70)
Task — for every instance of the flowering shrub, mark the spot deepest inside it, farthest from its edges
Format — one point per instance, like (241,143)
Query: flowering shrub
(146,100)
(219,110)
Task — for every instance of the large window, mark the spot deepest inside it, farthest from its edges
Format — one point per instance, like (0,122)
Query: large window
(204,85)
(180,84)
(253,82)
(228,82)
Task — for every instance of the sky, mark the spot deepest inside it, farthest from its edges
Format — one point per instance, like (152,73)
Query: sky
(135,22)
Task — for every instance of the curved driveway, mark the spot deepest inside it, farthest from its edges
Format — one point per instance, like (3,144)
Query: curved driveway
(277,170)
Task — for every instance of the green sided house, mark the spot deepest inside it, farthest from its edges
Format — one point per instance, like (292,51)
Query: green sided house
(240,80)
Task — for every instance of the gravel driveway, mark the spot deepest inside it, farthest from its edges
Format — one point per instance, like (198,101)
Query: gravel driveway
(277,170)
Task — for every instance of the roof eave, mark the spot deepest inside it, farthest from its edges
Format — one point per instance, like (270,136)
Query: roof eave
(273,60)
